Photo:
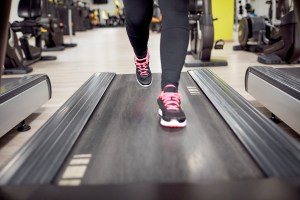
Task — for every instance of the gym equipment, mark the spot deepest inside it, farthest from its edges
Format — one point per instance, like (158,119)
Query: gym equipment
(53,34)
(4,16)
(19,97)
(119,12)
(256,32)
(278,89)
(31,11)
(114,138)
(63,8)
(95,17)
(76,17)
(276,38)
(156,20)
(19,57)
(287,48)
(202,35)
(52,31)
(86,16)
(15,62)
(253,34)
(243,9)
(118,19)
(116,143)
(80,15)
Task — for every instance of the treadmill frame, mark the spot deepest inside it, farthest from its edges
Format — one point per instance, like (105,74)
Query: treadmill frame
(278,91)
(21,99)
(266,142)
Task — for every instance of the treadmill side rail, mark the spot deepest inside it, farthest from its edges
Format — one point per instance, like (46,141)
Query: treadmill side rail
(278,90)
(278,77)
(275,151)
(38,161)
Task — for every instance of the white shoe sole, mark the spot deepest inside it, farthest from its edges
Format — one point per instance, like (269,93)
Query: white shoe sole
(171,124)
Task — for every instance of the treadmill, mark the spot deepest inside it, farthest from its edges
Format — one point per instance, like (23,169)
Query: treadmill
(19,97)
(278,89)
(105,142)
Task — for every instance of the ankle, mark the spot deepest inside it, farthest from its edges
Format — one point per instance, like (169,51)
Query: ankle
(142,55)
(169,86)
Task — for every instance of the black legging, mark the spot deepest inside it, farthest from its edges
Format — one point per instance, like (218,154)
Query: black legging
(174,34)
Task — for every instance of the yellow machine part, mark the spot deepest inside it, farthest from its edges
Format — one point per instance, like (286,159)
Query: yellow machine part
(118,6)
(224,11)
(156,20)
(43,30)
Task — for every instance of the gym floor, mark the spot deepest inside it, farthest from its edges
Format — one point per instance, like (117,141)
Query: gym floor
(108,50)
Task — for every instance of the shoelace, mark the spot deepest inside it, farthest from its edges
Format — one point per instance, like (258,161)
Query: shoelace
(171,100)
(142,65)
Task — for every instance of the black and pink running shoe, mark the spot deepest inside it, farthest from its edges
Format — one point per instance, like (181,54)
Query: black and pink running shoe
(143,73)
(169,108)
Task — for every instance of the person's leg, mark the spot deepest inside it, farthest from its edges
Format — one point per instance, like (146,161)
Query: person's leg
(174,39)
(173,49)
(138,15)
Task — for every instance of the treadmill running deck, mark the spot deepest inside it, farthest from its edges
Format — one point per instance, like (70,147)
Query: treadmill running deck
(124,143)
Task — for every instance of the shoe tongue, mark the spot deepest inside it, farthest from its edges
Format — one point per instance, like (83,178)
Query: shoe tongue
(170,88)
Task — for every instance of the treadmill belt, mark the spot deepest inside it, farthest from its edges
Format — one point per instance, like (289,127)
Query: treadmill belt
(124,143)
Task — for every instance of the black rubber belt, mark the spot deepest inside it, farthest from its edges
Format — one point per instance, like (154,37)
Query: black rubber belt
(277,154)
(278,78)
(39,160)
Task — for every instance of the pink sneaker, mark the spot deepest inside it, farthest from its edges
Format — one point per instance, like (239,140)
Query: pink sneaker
(143,73)
(169,108)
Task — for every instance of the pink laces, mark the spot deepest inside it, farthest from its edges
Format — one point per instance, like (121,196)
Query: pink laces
(142,65)
(171,100)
